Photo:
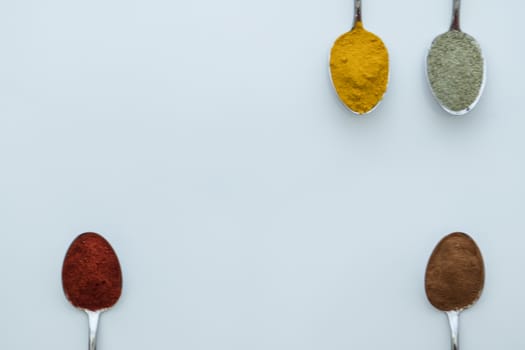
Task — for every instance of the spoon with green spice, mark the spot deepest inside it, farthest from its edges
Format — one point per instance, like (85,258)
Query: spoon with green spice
(456,68)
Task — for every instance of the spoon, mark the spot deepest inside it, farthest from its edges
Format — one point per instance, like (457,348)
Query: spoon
(359,67)
(91,278)
(454,278)
(456,68)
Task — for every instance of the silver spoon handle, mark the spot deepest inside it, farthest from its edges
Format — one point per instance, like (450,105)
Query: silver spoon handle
(357,11)
(455,15)
(453,321)
(93,317)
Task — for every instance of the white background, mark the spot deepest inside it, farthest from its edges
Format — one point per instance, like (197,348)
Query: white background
(249,209)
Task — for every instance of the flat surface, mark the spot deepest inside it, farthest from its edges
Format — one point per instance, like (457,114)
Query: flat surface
(249,209)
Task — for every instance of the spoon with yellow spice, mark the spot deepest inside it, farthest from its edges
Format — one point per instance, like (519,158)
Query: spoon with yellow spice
(359,67)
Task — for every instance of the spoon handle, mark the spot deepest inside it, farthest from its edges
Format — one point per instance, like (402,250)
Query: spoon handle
(453,321)
(93,317)
(455,15)
(357,11)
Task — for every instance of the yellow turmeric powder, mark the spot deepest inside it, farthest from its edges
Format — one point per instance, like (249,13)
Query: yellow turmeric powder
(359,69)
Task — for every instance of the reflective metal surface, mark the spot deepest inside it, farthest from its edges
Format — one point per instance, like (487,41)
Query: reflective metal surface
(455,15)
(93,317)
(357,11)
(453,321)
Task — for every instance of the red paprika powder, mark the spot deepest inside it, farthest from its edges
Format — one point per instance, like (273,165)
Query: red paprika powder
(91,274)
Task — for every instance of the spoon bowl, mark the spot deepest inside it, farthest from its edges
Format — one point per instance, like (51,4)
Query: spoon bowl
(91,278)
(359,67)
(454,278)
(456,68)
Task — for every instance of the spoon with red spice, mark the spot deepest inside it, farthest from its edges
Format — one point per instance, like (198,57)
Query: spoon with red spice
(454,278)
(91,278)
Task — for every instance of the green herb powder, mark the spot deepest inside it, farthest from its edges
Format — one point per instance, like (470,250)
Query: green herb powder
(455,70)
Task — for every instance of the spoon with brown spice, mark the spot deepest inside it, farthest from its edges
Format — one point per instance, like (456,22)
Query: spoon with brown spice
(91,278)
(454,278)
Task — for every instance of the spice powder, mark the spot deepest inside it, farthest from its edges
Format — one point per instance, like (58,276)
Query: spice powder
(359,69)
(91,274)
(455,70)
(455,273)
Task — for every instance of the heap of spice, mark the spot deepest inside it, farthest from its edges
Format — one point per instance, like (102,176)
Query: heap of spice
(91,274)
(359,69)
(455,273)
(455,70)
(454,278)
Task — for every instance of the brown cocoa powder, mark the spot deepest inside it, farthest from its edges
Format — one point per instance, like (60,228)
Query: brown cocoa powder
(455,273)
(91,274)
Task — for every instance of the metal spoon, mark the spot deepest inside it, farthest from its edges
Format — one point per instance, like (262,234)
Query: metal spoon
(343,77)
(93,317)
(456,68)
(91,278)
(454,278)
